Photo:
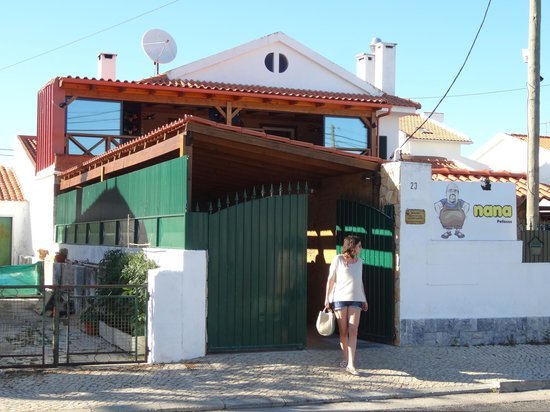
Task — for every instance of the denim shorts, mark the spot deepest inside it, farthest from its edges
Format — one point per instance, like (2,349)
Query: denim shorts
(343,303)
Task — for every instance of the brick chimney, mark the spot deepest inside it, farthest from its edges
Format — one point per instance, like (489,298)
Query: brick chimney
(378,66)
(106,66)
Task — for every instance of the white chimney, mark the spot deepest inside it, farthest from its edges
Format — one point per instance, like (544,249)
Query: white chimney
(378,68)
(106,66)
(364,67)
(437,116)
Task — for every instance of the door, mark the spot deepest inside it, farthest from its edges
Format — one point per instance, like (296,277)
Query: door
(376,230)
(5,240)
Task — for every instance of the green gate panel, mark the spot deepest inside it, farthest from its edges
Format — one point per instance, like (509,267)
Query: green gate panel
(257,276)
(5,240)
(375,228)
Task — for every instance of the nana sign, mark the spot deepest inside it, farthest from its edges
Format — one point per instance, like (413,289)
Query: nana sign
(464,211)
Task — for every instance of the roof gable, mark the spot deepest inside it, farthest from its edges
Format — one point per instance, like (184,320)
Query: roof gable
(246,64)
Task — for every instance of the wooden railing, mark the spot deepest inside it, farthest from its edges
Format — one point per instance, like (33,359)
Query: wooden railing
(105,142)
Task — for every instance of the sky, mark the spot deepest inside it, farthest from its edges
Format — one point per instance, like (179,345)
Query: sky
(42,40)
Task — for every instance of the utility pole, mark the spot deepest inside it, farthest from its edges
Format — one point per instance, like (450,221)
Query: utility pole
(533,116)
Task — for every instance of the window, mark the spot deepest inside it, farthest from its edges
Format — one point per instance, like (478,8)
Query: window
(347,133)
(89,118)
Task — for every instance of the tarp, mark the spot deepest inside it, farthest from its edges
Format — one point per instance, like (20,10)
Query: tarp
(20,275)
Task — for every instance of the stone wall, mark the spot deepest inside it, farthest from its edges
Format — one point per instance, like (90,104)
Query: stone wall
(467,332)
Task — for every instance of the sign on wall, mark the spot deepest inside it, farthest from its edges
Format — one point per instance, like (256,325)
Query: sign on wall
(471,211)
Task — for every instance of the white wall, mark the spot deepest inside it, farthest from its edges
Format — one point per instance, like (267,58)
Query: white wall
(39,192)
(461,278)
(20,228)
(504,152)
(177,309)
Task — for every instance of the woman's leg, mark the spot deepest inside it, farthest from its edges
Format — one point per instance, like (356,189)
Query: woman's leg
(342,318)
(354,314)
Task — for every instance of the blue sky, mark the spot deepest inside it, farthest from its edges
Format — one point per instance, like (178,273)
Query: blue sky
(42,40)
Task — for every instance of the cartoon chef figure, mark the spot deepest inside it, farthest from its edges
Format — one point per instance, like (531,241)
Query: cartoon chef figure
(452,212)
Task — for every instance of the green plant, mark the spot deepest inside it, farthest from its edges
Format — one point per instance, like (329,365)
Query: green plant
(135,273)
(110,267)
(119,267)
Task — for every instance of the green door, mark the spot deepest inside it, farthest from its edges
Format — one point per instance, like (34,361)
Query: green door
(5,241)
(375,228)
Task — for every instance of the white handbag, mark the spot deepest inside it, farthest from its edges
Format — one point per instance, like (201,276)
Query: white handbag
(326,322)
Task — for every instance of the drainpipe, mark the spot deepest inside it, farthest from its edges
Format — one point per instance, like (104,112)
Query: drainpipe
(378,117)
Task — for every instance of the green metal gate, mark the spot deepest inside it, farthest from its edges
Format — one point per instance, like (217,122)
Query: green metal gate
(376,229)
(5,241)
(257,274)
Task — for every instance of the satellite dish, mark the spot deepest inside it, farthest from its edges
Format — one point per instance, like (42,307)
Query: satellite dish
(159,46)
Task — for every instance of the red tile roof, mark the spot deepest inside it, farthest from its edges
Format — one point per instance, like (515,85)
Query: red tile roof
(194,85)
(544,141)
(9,186)
(463,175)
(29,144)
(164,132)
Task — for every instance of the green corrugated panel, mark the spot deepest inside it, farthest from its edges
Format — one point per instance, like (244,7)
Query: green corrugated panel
(171,231)
(196,231)
(65,208)
(257,275)
(158,190)
(147,231)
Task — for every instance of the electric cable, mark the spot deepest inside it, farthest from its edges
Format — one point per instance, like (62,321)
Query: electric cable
(452,83)
(87,36)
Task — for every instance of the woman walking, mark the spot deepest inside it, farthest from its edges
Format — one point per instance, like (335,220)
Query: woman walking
(346,292)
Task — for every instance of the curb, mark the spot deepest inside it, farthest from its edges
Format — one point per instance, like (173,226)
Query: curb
(524,386)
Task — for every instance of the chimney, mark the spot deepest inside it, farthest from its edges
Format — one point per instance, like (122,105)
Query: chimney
(378,67)
(437,116)
(106,66)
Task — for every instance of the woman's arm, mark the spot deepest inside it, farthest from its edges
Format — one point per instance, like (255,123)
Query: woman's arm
(328,293)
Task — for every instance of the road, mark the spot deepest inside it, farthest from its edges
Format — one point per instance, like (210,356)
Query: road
(480,402)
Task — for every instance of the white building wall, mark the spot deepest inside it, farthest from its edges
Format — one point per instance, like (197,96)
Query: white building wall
(451,290)
(39,192)
(504,152)
(20,229)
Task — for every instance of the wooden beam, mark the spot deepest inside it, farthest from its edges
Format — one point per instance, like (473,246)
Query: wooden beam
(117,165)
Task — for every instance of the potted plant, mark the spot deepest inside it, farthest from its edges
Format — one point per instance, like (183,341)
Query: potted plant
(89,319)
(61,255)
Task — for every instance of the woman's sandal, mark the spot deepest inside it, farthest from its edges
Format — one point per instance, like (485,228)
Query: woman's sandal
(352,371)
(343,364)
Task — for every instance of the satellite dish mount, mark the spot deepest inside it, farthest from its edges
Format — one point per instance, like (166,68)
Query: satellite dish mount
(159,46)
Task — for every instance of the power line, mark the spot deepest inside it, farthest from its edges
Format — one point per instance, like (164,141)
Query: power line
(474,94)
(87,36)
(454,80)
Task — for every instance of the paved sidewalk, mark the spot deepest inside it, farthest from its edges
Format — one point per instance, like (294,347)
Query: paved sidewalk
(265,379)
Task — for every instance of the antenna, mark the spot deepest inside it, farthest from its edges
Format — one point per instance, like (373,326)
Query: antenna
(159,46)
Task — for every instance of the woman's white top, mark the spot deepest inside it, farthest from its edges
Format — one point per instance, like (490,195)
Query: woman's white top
(348,280)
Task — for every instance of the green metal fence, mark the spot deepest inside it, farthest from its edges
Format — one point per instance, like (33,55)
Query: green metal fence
(375,229)
(257,276)
(70,325)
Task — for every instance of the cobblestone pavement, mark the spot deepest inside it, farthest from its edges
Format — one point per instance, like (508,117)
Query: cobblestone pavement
(264,379)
